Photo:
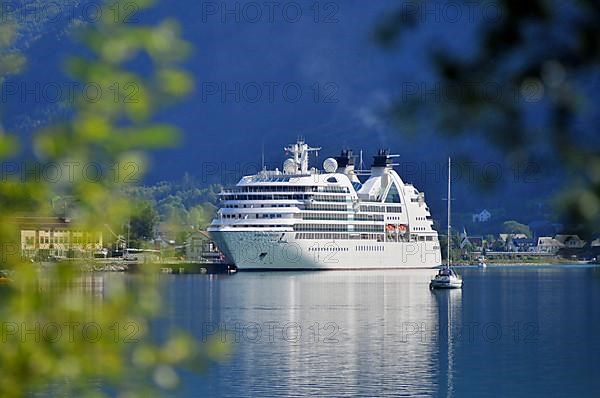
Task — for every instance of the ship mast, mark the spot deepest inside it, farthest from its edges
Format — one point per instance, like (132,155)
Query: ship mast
(300,151)
(449,227)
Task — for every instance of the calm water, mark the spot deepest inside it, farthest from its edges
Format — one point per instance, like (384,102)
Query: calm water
(510,332)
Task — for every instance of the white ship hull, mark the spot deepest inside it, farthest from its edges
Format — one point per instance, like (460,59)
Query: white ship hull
(262,250)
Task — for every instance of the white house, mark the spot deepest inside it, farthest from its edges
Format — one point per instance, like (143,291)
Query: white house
(483,216)
(547,244)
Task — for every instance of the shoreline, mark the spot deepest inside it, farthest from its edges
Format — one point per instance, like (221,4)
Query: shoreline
(525,263)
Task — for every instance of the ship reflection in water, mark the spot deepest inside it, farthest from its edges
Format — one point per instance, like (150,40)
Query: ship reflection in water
(329,334)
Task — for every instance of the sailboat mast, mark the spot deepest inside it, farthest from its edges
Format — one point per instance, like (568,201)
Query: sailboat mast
(449,237)
(262,158)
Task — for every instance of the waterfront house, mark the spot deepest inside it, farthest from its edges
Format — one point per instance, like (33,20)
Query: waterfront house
(200,247)
(47,237)
(516,242)
(571,241)
(547,244)
(523,244)
(476,242)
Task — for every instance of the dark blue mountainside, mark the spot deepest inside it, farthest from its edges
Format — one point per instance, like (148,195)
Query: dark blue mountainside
(269,72)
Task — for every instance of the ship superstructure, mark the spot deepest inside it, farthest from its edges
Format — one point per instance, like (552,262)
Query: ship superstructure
(305,218)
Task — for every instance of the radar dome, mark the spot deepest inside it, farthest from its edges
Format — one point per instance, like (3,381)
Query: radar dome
(330,165)
(289,166)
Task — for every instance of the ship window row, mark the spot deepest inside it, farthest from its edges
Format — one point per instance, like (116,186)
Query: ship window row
(321,227)
(273,179)
(381,209)
(326,207)
(312,235)
(329,189)
(323,216)
(266,188)
(340,236)
(228,206)
(324,198)
(340,217)
(255,216)
(265,197)
(363,236)
(338,227)
(368,228)
(368,217)
(424,238)
(373,209)
(369,248)
(419,228)
(257,226)
(332,198)
(287,188)
(328,249)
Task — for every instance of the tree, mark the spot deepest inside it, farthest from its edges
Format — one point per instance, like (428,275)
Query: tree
(489,240)
(142,224)
(533,59)
(110,134)
(499,246)
(200,216)
(514,227)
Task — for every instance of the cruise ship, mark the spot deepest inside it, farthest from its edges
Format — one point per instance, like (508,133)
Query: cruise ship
(303,218)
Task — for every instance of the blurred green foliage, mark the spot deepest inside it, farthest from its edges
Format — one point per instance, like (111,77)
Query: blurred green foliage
(181,207)
(537,57)
(83,331)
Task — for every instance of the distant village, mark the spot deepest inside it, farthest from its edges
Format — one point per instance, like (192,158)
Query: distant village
(540,239)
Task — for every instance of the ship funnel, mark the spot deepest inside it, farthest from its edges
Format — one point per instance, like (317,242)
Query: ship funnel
(346,164)
(382,162)
(382,159)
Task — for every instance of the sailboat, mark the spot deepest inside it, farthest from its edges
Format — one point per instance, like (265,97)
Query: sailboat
(446,278)
(481,260)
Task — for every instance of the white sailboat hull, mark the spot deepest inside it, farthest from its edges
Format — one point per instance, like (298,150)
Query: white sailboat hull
(451,283)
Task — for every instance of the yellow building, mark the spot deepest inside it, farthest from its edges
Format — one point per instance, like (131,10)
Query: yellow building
(55,237)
